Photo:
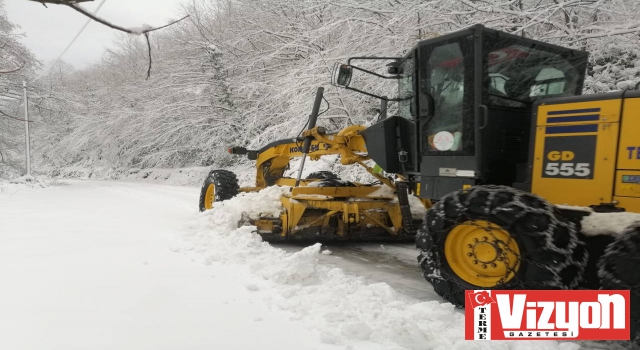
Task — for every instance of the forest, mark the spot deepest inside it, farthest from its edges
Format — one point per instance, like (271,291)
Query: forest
(243,73)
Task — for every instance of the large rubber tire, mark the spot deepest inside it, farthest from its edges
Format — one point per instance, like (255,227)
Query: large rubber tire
(218,186)
(619,268)
(551,255)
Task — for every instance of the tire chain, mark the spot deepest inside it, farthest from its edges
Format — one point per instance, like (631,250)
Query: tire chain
(625,246)
(624,252)
(429,254)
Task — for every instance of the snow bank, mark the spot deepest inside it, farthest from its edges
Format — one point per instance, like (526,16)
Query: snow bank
(346,310)
(193,176)
(383,192)
(613,224)
(30,181)
(353,172)
(417,208)
(26,182)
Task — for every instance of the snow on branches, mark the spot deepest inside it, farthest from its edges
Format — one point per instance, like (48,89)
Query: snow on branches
(243,72)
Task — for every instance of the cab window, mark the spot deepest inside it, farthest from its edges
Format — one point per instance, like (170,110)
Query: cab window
(446,85)
(405,89)
(520,72)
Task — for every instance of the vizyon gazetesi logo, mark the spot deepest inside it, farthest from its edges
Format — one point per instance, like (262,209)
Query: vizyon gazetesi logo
(547,314)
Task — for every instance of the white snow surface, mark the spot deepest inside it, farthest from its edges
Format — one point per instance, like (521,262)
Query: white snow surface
(92,265)
(108,265)
(613,224)
(345,309)
(417,208)
(383,191)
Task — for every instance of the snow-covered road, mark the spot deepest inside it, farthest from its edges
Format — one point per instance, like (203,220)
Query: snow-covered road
(111,265)
(394,264)
(89,266)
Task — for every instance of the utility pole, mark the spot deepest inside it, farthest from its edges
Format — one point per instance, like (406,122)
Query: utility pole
(26,128)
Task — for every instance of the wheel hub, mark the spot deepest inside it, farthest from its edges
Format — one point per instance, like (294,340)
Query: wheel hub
(209,196)
(482,253)
(485,252)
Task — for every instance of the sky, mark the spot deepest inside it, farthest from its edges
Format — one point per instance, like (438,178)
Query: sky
(49,30)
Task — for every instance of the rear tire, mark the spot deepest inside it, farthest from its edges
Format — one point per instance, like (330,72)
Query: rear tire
(218,186)
(550,254)
(619,268)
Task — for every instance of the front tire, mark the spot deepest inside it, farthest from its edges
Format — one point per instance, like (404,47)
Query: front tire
(495,237)
(218,186)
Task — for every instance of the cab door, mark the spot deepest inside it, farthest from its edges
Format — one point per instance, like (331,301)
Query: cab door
(446,114)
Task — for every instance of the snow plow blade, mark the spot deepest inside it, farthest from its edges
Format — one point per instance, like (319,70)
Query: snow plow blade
(371,213)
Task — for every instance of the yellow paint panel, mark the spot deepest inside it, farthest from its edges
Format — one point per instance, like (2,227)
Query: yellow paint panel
(609,111)
(629,154)
(630,204)
(577,191)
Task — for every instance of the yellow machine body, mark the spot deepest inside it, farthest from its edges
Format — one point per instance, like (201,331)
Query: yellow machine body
(586,152)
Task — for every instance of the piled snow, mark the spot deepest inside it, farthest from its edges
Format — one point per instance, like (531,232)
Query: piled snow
(418,210)
(383,192)
(15,185)
(608,223)
(266,203)
(30,181)
(346,310)
(353,172)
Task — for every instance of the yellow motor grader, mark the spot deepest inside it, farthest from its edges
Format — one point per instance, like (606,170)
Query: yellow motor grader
(321,206)
(493,130)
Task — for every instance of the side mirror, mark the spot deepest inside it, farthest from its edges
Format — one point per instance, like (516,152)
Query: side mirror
(393,69)
(344,75)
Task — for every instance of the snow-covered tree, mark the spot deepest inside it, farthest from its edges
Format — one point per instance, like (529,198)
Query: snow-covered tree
(243,72)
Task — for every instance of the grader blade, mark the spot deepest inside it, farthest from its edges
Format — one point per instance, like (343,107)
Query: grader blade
(339,213)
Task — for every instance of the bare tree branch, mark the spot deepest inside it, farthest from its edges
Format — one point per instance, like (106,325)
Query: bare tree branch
(13,70)
(14,118)
(116,27)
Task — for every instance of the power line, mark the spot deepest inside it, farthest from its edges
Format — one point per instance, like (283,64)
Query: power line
(71,43)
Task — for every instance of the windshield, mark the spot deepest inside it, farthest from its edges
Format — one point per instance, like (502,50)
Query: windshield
(518,74)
